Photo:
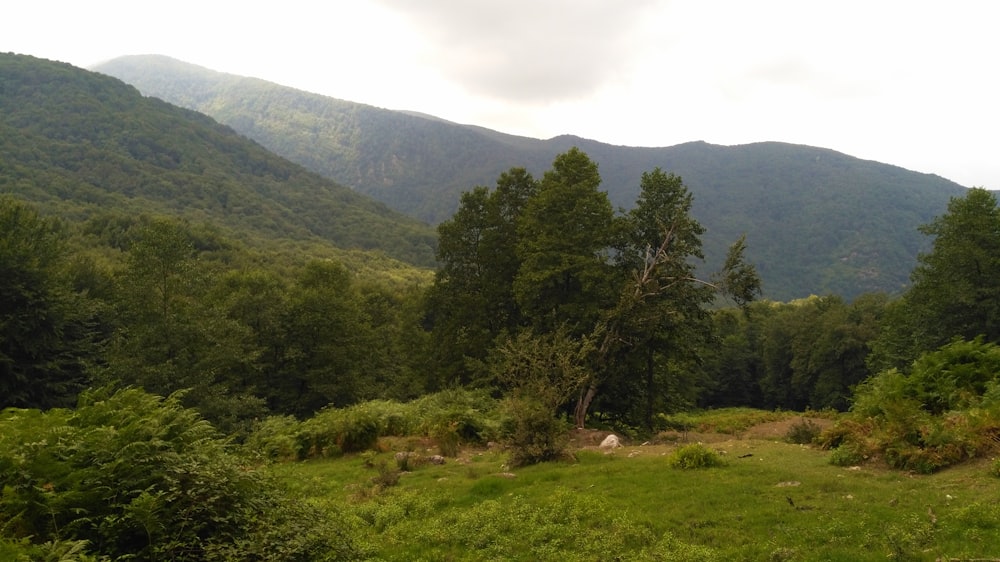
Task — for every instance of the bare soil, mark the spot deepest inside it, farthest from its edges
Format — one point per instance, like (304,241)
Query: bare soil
(769,431)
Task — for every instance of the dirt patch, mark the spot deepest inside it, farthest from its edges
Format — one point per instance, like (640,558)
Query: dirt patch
(581,438)
(779,429)
(770,431)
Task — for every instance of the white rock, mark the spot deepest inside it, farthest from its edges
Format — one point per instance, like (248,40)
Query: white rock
(611,442)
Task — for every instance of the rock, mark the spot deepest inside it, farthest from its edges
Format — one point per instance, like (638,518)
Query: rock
(611,442)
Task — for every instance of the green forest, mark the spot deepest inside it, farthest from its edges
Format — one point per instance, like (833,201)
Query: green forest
(816,221)
(158,367)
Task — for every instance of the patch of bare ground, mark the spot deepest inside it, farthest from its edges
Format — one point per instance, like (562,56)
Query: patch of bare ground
(768,431)
(779,429)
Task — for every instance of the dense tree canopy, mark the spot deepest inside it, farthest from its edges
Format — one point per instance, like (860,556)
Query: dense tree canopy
(46,328)
(563,240)
(472,300)
(956,285)
(623,288)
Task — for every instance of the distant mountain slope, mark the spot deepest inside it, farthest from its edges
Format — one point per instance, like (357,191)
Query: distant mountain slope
(77,142)
(817,221)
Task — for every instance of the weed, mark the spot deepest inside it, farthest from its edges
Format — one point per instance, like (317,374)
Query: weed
(695,455)
(447,438)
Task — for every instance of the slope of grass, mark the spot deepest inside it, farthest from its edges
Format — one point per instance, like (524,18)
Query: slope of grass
(770,501)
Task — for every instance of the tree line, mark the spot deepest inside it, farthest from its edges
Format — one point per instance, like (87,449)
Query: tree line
(543,291)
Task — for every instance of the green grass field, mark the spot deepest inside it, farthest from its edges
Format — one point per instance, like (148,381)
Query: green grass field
(770,500)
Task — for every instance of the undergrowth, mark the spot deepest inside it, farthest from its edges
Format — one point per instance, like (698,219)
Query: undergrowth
(770,501)
(946,411)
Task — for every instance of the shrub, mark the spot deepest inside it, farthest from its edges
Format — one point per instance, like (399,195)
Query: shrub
(275,438)
(387,476)
(332,432)
(847,454)
(694,455)
(468,416)
(139,476)
(446,435)
(532,433)
(947,410)
(803,432)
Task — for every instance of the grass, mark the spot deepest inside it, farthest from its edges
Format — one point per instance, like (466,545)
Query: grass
(769,501)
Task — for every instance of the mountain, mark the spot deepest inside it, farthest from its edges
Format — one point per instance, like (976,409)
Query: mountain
(817,221)
(78,143)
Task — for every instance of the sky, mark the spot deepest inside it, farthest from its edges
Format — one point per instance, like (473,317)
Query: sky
(911,83)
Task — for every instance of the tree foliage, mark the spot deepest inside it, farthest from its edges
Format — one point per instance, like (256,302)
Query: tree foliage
(47,329)
(820,222)
(625,284)
(563,240)
(472,301)
(955,290)
(809,353)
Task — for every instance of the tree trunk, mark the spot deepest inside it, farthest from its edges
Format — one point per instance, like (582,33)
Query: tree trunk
(650,386)
(583,404)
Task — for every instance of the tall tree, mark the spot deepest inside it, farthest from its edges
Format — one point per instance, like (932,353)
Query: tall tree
(472,300)
(956,286)
(564,237)
(328,341)
(661,302)
(172,335)
(46,335)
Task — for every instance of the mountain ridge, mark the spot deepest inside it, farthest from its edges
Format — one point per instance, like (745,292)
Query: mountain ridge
(817,221)
(74,138)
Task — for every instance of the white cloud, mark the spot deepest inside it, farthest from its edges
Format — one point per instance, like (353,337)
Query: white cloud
(526,50)
(905,82)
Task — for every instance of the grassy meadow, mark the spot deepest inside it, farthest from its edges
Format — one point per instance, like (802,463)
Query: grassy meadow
(769,500)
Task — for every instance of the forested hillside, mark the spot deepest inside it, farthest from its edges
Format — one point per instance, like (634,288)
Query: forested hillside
(189,338)
(817,221)
(80,144)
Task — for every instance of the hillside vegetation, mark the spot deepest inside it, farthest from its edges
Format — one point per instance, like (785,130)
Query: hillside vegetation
(191,369)
(80,144)
(817,221)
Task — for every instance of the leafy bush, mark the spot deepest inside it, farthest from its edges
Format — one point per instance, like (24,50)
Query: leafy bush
(472,416)
(52,551)
(944,412)
(135,475)
(275,438)
(694,455)
(451,418)
(847,454)
(387,476)
(532,433)
(333,432)
(956,376)
(803,432)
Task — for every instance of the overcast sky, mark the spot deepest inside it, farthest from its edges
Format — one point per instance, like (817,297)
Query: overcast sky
(910,83)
